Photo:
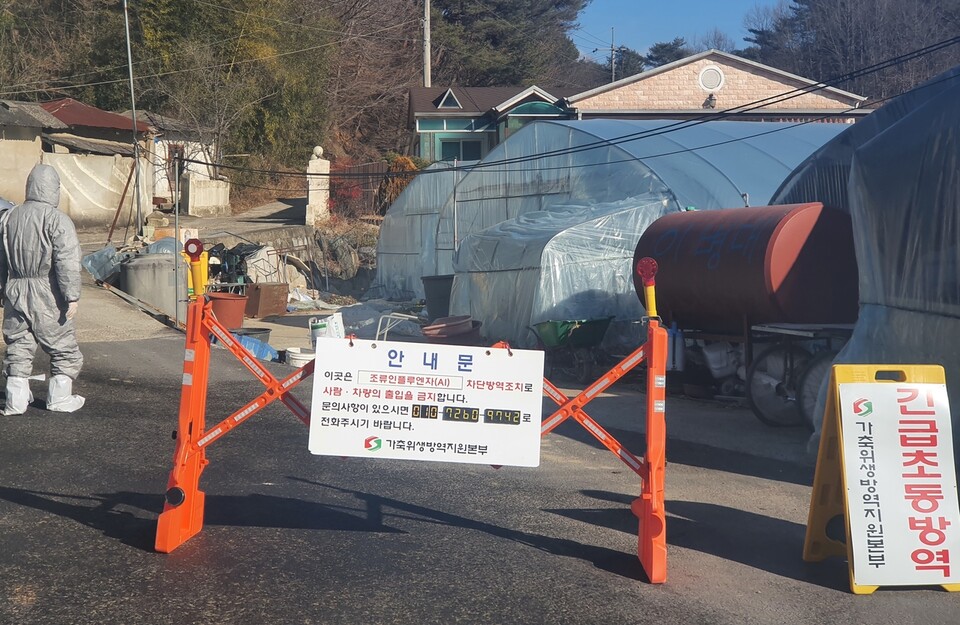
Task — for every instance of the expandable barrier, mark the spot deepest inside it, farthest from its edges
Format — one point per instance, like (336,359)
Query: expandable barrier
(649,507)
(182,516)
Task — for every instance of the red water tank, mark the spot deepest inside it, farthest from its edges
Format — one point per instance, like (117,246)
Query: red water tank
(769,264)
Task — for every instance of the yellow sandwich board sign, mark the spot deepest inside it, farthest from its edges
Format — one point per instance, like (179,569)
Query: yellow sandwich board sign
(886,465)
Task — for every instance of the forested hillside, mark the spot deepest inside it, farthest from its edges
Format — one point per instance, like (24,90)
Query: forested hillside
(275,77)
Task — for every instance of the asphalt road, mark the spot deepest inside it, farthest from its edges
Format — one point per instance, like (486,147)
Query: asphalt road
(295,538)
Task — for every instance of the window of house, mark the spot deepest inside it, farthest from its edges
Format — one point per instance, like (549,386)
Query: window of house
(449,101)
(467,150)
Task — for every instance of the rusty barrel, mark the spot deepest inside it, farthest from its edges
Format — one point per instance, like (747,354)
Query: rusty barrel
(769,264)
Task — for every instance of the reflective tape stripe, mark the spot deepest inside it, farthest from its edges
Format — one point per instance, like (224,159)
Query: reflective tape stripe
(254,367)
(555,394)
(188,379)
(595,429)
(190,355)
(246,412)
(292,380)
(659,405)
(206,439)
(549,423)
(629,459)
(629,363)
(660,381)
(593,390)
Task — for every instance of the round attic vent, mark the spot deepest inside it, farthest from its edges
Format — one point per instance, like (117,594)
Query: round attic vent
(711,78)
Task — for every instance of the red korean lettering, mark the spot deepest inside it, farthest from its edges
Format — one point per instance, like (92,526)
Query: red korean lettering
(925,558)
(924,497)
(910,396)
(931,530)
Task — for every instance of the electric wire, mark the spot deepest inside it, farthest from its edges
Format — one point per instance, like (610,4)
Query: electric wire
(467,169)
(8,92)
(674,127)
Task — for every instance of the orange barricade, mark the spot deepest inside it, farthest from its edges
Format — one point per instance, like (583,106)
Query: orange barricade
(652,536)
(182,515)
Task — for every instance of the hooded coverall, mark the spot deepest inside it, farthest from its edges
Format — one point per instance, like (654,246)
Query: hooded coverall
(40,268)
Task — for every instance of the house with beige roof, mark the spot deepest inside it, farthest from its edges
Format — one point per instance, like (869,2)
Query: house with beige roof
(718,83)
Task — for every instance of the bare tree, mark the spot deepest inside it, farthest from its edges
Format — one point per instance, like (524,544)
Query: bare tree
(714,39)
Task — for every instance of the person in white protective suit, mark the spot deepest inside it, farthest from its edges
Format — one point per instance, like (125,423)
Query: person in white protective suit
(40,275)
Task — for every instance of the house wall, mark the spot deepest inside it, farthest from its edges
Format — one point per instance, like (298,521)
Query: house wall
(20,150)
(91,186)
(430,142)
(679,88)
(164,183)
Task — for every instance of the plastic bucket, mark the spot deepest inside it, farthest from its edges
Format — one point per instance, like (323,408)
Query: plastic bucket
(261,334)
(228,308)
(299,356)
(436,291)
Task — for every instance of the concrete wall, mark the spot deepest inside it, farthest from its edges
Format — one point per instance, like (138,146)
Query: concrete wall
(91,188)
(204,198)
(679,88)
(164,184)
(20,150)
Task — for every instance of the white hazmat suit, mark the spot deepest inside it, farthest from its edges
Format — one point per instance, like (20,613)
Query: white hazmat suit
(40,273)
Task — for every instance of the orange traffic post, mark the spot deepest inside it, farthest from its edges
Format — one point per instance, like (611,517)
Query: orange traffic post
(649,507)
(182,516)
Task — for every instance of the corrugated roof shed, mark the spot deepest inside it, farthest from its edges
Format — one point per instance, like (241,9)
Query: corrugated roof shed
(87,145)
(78,114)
(27,115)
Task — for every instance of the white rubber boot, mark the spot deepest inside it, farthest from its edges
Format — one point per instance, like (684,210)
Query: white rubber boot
(60,397)
(18,396)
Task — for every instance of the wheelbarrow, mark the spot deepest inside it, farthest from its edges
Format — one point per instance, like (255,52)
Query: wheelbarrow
(571,347)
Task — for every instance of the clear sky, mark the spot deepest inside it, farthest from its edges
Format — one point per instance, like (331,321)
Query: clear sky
(639,23)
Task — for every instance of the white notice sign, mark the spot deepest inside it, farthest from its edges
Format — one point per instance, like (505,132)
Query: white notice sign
(901,484)
(424,401)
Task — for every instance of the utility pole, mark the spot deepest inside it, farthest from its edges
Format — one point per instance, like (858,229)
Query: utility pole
(133,114)
(426,43)
(613,59)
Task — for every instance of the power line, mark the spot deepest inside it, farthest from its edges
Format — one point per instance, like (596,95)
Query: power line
(288,23)
(8,92)
(736,110)
(579,165)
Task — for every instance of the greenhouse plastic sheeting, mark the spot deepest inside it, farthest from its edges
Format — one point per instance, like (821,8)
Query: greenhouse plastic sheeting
(405,249)
(720,164)
(903,195)
(567,262)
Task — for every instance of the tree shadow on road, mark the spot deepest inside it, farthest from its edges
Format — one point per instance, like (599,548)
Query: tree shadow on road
(610,560)
(115,514)
(756,540)
(702,455)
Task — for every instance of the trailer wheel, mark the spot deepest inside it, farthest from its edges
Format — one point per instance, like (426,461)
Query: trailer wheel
(772,382)
(808,386)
